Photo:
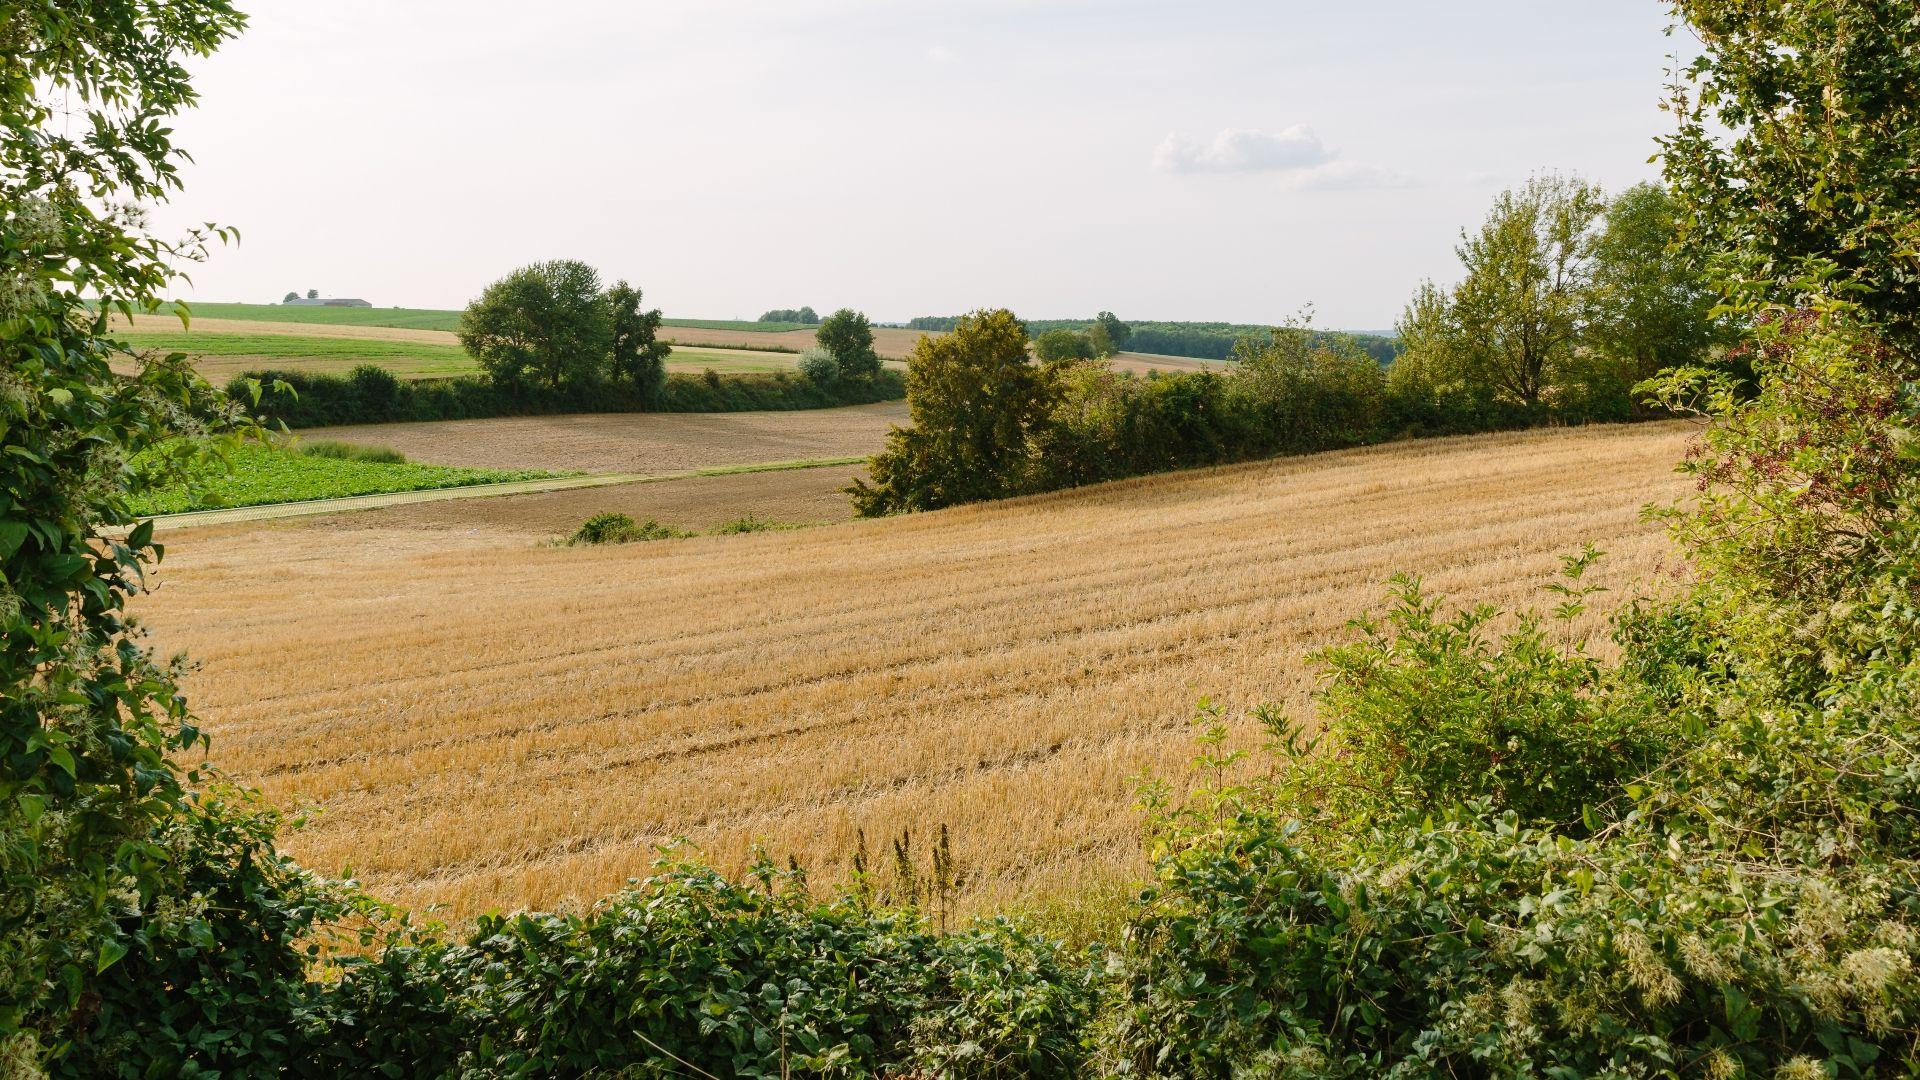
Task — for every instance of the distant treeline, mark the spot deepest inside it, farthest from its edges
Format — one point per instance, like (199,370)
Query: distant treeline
(372,395)
(806,316)
(1201,340)
(1063,424)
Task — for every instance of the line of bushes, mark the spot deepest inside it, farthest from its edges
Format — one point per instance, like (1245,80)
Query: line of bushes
(372,395)
(988,424)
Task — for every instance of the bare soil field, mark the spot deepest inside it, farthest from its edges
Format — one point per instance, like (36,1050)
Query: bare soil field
(633,442)
(487,722)
(698,503)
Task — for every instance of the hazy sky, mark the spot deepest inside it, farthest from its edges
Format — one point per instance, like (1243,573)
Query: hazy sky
(1204,159)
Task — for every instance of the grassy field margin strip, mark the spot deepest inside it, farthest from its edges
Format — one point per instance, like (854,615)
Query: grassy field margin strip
(272,511)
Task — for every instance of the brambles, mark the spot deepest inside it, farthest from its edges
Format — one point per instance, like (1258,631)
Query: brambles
(621,529)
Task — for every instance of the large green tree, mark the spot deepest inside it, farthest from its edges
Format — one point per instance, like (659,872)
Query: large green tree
(544,324)
(975,399)
(636,355)
(1797,155)
(848,336)
(1058,345)
(1649,306)
(1527,270)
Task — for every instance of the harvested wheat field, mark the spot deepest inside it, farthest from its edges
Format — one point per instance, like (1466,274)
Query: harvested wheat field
(171,324)
(890,342)
(1141,363)
(491,723)
(633,442)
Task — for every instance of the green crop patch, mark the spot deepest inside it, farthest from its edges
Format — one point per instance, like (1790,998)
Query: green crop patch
(265,475)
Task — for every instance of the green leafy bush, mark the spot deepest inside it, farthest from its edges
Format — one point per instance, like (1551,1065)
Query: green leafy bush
(1468,882)
(819,367)
(1435,712)
(689,970)
(613,528)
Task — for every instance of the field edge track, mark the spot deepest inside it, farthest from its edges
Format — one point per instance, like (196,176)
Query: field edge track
(348,503)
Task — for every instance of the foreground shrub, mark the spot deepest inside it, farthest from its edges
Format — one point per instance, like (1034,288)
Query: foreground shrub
(1736,895)
(691,971)
(214,977)
(1433,712)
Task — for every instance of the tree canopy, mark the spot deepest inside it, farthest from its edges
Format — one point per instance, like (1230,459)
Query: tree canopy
(848,337)
(542,324)
(636,356)
(973,397)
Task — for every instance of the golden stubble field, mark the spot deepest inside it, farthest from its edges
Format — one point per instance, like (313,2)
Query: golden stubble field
(491,723)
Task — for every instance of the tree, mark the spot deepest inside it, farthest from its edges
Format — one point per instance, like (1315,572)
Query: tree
(974,401)
(1099,340)
(1432,356)
(1056,346)
(635,355)
(1650,306)
(1307,390)
(849,337)
(313,294)
(546,322)
(1527,272)
(290,298)
(1797,154)
(88,719)
(1117,332)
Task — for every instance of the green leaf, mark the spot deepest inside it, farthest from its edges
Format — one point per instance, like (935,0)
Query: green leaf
(111,952)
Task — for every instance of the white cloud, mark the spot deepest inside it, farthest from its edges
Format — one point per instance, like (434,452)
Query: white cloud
(1296,154)
(1243,150)
(1349,176)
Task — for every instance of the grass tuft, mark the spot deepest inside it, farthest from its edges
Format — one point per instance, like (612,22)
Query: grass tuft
(750,524)
(345,451)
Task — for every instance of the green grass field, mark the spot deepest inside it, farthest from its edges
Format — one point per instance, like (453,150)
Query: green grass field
(404,318)
(413,318)
(265,475)
(223,355)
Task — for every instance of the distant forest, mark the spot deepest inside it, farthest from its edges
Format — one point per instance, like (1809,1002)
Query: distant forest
(1205,340)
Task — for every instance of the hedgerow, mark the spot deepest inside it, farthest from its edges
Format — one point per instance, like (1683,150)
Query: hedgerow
(372,395)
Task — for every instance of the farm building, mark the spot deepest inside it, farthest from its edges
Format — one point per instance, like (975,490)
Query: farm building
(326,302)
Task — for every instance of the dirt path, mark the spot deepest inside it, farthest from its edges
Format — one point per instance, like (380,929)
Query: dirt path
(475,491)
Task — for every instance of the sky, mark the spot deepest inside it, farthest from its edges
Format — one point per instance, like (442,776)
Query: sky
(1203,159)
